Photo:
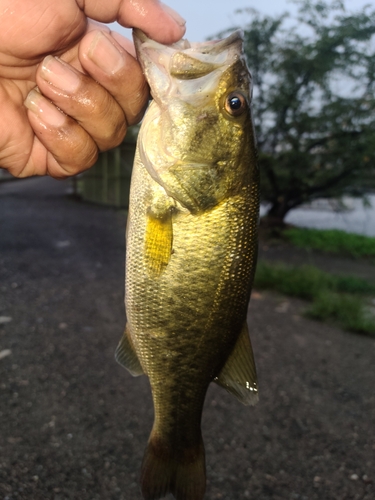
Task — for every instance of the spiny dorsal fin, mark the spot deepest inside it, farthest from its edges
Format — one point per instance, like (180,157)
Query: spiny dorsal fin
(238,375)
(126,356)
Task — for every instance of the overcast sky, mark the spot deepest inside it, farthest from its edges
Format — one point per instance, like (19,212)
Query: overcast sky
(208,17)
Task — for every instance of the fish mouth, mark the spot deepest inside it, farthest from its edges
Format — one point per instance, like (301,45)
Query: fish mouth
(189,70)
(212,47)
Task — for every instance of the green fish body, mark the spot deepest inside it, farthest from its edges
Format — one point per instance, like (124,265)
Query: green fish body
(191,250)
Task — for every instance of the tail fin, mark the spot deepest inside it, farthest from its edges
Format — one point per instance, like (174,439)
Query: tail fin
(164,472)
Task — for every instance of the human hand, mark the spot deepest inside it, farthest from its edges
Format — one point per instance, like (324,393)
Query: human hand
(88,95)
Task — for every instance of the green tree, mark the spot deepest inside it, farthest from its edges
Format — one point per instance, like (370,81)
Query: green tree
(314,105)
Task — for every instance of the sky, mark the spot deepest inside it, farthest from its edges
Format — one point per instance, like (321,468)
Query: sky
(208,17)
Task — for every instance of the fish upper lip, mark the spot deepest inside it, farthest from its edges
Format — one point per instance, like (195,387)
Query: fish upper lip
(185,69)
(206,47)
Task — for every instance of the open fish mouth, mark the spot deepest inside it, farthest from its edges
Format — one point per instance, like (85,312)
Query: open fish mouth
(189,70)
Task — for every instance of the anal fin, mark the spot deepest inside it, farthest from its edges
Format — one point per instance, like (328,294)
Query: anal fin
(238,376)
(126,356)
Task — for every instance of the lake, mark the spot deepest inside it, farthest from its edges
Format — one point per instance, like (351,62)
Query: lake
(329,214)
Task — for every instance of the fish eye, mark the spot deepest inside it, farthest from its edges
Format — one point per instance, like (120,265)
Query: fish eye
(235,104)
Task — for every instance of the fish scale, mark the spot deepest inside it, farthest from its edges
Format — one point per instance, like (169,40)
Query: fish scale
(191,251)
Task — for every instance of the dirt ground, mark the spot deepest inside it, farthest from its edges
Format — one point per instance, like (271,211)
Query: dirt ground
(74,424)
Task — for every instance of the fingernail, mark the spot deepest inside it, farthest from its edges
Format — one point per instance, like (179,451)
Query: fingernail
(174,15)
(59,74)
(105,54)
(44,109)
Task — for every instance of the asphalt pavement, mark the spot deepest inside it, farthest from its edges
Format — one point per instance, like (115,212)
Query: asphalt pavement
(74,424)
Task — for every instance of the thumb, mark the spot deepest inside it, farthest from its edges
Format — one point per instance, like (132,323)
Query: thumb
(157,20)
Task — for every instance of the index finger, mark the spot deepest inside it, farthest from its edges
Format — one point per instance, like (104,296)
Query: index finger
(154,18)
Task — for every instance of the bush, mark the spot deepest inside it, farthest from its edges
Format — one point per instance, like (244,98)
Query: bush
(335,298)
(332,241)
(346,310)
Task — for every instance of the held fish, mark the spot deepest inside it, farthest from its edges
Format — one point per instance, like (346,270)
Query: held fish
(191,249)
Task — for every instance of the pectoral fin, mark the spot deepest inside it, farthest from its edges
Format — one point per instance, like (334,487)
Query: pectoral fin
(126,356)
(238,375)
(158,242)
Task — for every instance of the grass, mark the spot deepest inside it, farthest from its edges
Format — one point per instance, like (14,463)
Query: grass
(340,299)
(346,310)
(332,241)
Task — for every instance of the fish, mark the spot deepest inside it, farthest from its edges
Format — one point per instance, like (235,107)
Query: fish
(191,249)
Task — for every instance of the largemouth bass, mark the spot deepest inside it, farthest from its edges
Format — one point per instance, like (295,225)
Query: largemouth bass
(191,249)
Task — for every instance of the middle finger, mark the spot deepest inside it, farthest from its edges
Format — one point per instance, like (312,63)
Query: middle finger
(83,99)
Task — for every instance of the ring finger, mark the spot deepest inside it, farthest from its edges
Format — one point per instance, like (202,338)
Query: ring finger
(83,99)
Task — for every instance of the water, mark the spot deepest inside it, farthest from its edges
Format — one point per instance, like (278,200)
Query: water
(328,214)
